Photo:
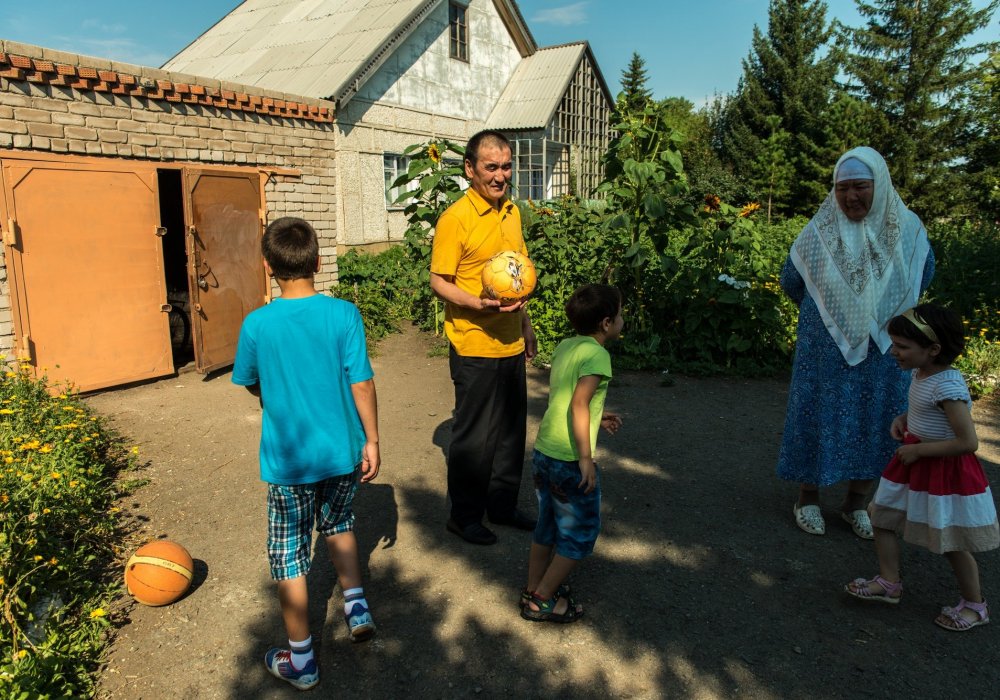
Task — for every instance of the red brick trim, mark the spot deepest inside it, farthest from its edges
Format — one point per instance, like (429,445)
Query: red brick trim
(36,70)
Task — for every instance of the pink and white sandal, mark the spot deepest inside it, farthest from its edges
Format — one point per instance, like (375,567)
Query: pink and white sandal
(860,589)
(951,618)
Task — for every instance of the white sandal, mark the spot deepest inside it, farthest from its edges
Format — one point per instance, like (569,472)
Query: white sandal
(810,519)
(860,523)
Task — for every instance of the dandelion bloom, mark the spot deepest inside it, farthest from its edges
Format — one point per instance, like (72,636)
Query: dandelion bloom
(97,612)
(38,557)
(55,475)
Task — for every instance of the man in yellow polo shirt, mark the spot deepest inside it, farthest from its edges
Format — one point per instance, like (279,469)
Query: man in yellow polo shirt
(490,344)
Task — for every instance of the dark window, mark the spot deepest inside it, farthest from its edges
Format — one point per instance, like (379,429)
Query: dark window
(458,20)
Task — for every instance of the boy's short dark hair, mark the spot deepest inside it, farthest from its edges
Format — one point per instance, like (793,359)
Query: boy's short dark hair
(291,248)
(946,324)
(487,137)
(589,305)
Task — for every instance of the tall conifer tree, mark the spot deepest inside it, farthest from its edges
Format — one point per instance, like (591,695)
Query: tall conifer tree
(634,79)
(912,62)
(789,73)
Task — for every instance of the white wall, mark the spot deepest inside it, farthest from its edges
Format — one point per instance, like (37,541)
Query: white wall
(419,94)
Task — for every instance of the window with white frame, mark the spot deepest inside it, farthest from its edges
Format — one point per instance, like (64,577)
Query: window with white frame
(395,165)
(458,21)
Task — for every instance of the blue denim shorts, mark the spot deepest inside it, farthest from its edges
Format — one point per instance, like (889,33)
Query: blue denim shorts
(291,511)
(567,517)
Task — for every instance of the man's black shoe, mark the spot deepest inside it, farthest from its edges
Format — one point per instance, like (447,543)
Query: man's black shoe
(516,519)
(476,533)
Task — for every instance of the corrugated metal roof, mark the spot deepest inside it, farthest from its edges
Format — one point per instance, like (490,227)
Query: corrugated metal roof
(536,88)
(315,48)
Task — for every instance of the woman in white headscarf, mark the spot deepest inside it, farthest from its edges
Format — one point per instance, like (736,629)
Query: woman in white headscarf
(862,259)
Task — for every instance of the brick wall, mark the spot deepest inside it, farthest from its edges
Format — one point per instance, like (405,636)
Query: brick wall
(57,102)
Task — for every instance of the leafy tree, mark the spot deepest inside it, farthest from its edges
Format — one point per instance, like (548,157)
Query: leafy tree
(911,62)
(634,80)
(706,173)
(789,73)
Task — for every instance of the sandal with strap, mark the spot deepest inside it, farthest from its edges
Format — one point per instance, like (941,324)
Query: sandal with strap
(562,592)
(547,610)
(951,618)
(860,589)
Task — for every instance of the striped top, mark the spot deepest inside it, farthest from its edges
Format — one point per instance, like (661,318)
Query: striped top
(925,417)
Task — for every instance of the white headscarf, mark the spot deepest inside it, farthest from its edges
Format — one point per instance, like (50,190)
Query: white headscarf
(862,273)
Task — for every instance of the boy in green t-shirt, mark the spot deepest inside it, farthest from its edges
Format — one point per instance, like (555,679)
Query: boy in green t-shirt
(566,479)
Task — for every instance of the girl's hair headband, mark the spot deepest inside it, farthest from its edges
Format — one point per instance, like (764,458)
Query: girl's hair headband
(922,326)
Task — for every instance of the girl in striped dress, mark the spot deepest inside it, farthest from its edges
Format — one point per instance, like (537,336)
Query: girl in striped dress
(934,491)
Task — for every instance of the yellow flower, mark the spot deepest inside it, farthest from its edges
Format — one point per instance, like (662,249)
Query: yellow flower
(135,450)
(6,411)
(38,557)
(45,449)
(12,374)
(749,209)
(4,498)
(97,612)
(62,396)
(21,654)
(73,484)
(53,561)
(433,153)
(33,445)
(55,475)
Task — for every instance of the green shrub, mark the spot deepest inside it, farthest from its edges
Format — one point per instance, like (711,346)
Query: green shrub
(382,286)
(567,243)
(57,528)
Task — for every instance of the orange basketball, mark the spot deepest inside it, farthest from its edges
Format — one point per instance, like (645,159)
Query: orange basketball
(159,572)
(509,276)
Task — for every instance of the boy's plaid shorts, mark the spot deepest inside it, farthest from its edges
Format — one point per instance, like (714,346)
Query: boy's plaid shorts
(291,511)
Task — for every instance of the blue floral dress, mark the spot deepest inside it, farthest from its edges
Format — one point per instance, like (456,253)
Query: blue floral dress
(838,418)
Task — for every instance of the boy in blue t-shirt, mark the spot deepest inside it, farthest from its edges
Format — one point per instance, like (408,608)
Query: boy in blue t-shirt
(304,355)
(566,480)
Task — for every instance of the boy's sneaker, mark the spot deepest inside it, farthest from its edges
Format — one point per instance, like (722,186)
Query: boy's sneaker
(279,663)
(360,623)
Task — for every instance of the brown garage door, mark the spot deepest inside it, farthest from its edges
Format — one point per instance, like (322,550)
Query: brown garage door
(224,259)
(86,269)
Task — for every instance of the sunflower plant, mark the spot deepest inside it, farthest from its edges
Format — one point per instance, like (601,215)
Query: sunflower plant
(432,182)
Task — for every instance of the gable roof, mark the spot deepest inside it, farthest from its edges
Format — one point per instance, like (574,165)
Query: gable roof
(316,48)
(538,86)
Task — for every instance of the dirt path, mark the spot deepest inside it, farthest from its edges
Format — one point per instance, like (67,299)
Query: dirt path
(701,586)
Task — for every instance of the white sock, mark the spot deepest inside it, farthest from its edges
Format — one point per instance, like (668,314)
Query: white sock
(302,652)
(353,596)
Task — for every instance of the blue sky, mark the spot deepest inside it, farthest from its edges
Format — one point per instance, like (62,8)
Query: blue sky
(692,49)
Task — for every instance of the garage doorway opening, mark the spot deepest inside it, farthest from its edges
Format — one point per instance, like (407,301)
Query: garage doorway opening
(175,266)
